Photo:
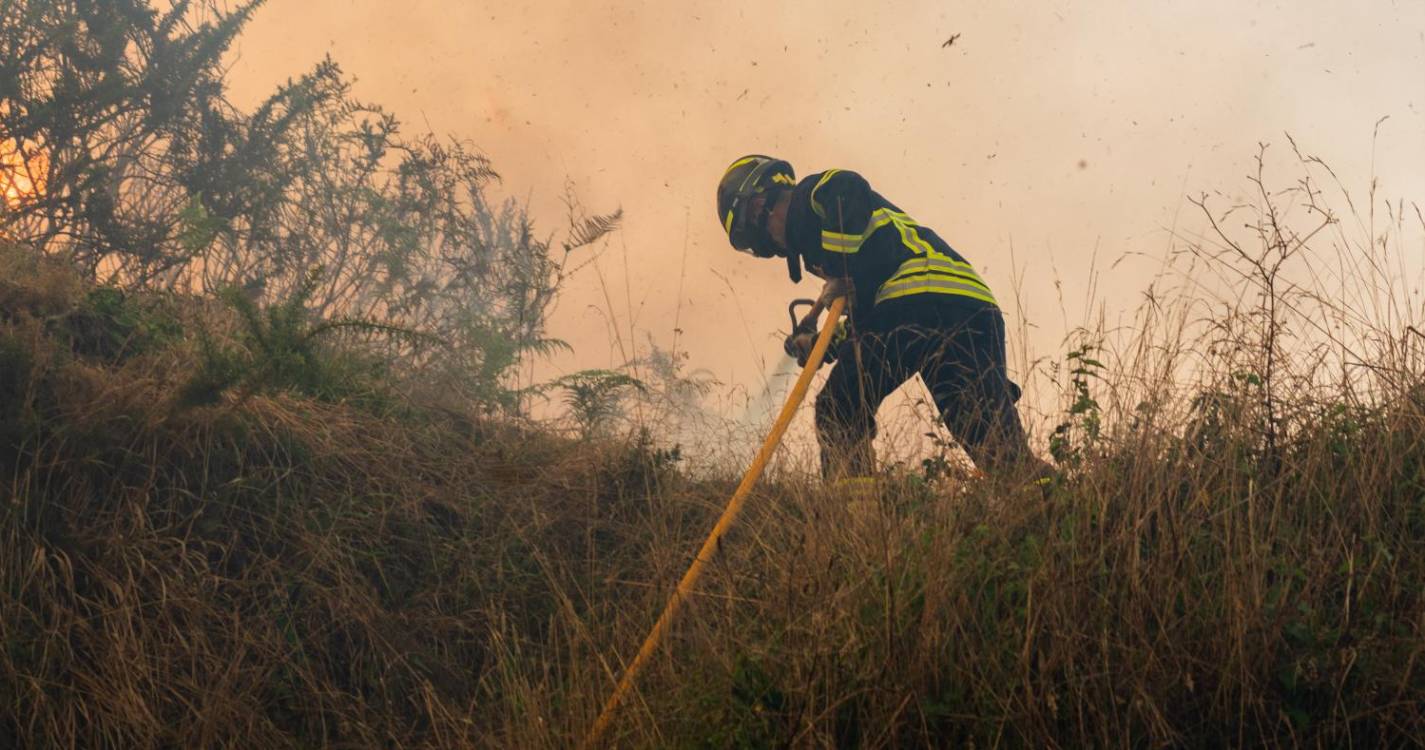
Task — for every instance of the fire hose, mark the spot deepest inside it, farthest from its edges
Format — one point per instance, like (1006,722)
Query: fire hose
(729,515)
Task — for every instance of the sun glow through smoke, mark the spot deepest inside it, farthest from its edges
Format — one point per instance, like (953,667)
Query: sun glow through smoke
(22,170)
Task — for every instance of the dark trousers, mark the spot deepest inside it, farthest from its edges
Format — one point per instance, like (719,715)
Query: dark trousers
(957,348)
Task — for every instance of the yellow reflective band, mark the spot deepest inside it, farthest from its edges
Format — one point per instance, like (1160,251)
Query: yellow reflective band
(912,239)
(938,274)
(897,281)
(783,178)
(941,275)
(727,225)
(937,264)
(816,205)
(879,218)
(931,285)
(835,242)
(946,260)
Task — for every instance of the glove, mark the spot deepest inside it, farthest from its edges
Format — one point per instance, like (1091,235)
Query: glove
(802,340)
(799,343)
(837,337)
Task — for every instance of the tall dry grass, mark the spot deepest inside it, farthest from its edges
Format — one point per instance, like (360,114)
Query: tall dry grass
(272,570)
(1232,557)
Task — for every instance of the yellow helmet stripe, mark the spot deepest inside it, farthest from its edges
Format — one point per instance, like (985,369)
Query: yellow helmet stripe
(738,163)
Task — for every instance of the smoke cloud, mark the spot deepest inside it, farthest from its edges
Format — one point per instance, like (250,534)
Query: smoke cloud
(1045,141)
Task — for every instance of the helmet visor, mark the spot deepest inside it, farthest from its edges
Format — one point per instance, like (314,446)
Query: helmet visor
(748,225)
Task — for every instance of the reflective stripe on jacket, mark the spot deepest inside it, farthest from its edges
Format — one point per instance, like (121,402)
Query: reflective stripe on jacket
(841,226)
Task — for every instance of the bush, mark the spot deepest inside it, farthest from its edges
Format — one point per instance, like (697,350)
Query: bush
(147,177)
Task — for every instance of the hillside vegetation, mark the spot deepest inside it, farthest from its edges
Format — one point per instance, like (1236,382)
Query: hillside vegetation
(268,474)
(301,554)
(304,562)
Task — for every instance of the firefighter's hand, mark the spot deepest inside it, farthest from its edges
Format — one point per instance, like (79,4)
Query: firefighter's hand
(835,287)
(799,344)
(801,341)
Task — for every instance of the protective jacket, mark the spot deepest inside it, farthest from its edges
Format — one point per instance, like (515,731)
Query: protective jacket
(842,228)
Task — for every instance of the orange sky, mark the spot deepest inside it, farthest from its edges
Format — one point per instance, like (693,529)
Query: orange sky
(1069,131)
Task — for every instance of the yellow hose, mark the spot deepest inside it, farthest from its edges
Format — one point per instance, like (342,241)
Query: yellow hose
(734,506)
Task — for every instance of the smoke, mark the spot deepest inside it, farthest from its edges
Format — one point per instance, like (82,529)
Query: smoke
(1046,142)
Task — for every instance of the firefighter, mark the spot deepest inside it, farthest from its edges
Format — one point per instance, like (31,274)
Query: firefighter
(916,306)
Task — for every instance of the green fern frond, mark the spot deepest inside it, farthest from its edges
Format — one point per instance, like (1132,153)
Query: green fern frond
(591,229)
(403,333)
(545,347)
(594,397)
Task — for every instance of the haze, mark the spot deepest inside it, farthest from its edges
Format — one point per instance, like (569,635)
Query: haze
(1045,143)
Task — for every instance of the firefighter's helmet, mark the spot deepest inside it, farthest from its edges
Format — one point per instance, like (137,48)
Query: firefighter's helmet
(746,225)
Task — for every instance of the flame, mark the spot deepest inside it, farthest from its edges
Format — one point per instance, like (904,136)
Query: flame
(22,170)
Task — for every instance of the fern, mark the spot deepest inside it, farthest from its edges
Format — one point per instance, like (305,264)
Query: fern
(590,229)
(595,397)
(411,336)
(276,349)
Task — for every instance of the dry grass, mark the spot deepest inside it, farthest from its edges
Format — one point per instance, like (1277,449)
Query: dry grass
(271,571)
(1232,558)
